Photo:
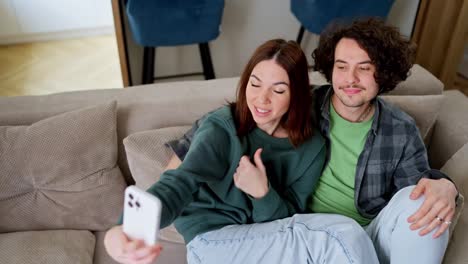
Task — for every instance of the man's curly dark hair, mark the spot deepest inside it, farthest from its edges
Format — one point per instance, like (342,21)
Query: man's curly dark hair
(390,52)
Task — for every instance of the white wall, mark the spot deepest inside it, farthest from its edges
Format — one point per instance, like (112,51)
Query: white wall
(246,24)
(8,23)
(27,20)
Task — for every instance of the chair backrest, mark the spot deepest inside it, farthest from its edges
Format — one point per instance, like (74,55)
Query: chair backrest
(174,22)
(315,15)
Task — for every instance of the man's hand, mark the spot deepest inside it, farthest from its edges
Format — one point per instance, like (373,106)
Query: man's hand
(438,208)
(251,178)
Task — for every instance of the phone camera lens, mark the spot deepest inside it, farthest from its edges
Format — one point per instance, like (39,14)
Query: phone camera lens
(131,196)
(130,204)
(137,204)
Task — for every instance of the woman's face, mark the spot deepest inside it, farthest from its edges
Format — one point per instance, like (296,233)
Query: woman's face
(268,95)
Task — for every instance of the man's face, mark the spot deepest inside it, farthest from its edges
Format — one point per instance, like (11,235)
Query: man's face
(353,75)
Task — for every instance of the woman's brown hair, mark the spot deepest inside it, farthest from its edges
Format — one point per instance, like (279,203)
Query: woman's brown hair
(298,121)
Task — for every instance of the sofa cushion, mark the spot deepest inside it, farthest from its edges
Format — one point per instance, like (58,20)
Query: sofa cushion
(451,129)
(423,109)
(100,253)
(147,157)
(53,246)
(61,172)
(457,168)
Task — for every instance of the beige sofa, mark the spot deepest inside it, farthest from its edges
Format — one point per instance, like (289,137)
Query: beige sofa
(64,162)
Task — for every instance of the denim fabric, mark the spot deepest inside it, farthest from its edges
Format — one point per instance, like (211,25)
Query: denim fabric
(395,242)
(303,238)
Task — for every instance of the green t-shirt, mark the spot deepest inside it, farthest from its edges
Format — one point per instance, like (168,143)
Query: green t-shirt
(335,191)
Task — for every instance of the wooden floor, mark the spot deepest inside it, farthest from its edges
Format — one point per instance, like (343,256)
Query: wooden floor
(57,66)
(70,65)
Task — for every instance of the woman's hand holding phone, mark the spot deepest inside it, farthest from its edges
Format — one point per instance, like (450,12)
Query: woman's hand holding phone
(128,251)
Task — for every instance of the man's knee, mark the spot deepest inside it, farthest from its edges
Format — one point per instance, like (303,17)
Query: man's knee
(402,200)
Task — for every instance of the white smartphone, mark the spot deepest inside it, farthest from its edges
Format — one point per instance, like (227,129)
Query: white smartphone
(142,215)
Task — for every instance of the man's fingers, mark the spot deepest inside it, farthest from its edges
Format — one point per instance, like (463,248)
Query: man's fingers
(435,219)
(433,224)
(444,225)
(428,217)
(421,212)
(418,190)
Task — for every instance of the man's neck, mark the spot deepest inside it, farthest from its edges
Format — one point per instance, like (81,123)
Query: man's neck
(352,114)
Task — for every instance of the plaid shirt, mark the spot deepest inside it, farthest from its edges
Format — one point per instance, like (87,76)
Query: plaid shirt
(394,154)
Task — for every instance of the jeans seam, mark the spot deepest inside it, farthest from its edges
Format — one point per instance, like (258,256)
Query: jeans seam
(331,234)
(192,251)
(250,237)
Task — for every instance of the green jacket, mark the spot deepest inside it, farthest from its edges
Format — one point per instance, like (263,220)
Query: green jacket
(200,195)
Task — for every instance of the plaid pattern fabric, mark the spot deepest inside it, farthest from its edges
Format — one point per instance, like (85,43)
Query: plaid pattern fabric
(394,154)
(181,146)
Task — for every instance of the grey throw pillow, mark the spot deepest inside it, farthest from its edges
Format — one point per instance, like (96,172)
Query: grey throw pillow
(61,172)
(148,155)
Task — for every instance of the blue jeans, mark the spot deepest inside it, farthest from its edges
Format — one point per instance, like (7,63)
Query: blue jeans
(395,242)
(304,238)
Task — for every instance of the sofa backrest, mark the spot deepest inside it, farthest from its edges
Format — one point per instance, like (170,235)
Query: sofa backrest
(161,105)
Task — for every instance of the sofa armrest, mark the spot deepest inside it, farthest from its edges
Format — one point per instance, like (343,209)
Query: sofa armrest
(450,130)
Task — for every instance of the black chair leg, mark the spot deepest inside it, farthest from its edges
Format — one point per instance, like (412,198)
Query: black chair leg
(148,65)
(206,61)
(300,35)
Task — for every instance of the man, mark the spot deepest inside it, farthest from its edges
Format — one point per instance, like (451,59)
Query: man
(377,170)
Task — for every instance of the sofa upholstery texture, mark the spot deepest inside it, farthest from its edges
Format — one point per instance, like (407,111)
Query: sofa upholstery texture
(66,158)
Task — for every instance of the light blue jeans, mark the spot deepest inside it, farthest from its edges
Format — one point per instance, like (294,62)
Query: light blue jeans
(303,238)
(393,240)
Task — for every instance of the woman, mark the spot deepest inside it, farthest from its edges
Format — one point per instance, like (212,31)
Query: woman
(217,194)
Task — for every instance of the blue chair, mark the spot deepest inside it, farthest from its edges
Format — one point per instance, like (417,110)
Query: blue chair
(315,15)
(158,23)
